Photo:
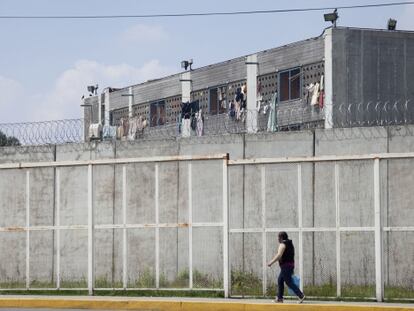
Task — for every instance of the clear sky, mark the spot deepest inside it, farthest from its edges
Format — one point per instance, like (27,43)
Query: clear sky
(45,65)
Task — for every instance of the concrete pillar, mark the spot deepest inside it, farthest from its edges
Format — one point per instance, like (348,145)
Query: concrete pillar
(328,108)
(107,107)
(186,86)
(100,108)
(251,66)
(130,99)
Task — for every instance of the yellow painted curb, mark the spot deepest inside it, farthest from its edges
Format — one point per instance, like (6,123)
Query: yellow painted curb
(177,305)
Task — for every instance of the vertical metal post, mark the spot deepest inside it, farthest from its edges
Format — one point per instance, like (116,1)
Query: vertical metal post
(379,272)
(300,224)
(226,261)
(57,185)
(124,231)
(157,229)
(338,233)
(130,100)
(27,229)
(90,231)
(190,225)
(264,246)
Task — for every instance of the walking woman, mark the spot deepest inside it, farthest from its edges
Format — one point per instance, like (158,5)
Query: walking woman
(286,257)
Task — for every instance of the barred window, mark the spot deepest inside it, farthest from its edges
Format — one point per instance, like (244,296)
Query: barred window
(157,113)
(289,82)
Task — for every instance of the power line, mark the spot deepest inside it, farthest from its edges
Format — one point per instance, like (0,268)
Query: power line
(206,13)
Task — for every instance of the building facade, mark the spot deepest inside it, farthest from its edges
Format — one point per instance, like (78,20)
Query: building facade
(344,77)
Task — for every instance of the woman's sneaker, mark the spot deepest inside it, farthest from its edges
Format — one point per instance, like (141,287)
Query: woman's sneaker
(301,299)
(278,300)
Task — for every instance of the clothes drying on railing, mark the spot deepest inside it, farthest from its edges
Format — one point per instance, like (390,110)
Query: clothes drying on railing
(95,131)
(272,119)
(132,128)
(109,132)
(315,93)
(239,103)
(322,92)
(200,123)
(186,128)
(136,127)
(123,129)
(188,118)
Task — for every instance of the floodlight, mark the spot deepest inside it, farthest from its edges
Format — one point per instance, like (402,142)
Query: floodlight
(186,63)
(331,17)
(392,24)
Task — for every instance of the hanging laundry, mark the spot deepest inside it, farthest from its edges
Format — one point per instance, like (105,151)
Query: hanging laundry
(189,108)
(259,99)
(322,92)
(238,100)
(265,108)
(244,100)
(232,110)
(125,127)
(315,94)
(194,122)
(120,130)
(109,132)
(95,131)
(237,109)
(200,123)
(133,127)
(272,119)
(179,124)
(141,125)
(186,128)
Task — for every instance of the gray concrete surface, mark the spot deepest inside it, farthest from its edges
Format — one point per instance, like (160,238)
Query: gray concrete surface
(357,54)
(356,209)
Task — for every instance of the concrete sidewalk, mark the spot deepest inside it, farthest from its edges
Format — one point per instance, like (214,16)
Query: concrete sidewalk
(187,304)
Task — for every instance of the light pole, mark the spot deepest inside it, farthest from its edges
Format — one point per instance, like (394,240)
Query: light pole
(131,98)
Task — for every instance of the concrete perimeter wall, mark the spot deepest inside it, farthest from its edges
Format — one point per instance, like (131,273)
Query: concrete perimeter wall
(281,201)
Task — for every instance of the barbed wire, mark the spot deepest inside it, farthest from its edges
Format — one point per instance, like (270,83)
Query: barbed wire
(284,118)
(46,132)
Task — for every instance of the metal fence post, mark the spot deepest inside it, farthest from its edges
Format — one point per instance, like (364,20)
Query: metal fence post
(124,231)
(379,273)
(226,261)
(90,232)
(264,246)
(190,226)
(337,233)
(27,229)
(157,229)
(300,223)
(57,185)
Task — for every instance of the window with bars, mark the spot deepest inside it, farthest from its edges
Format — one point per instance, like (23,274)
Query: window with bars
(218,100)
(289,83)
(157,113)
